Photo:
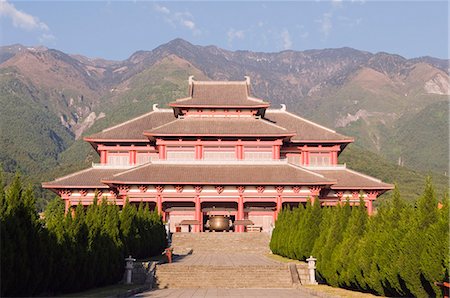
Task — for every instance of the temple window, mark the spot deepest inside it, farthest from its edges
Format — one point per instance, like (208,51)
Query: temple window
(219,153)
(294,159)
(319,159)
(144,157)
(258,153)
(118,158)
(181,153)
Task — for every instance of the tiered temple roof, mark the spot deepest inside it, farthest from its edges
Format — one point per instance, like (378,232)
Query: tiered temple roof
(273,123)
(226,174)
(230,94)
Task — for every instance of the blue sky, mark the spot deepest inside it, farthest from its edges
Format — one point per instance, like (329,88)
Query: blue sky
(114,30)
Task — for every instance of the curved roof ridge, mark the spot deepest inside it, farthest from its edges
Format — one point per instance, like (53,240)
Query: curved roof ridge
(301,118)
(364,175)
(73,174)
(220,82)
(273,124)
(308,171)
(137,118)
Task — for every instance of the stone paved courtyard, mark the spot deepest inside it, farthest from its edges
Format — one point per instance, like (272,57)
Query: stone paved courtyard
(185,293)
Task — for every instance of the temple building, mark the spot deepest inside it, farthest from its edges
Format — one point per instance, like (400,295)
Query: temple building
(219,152)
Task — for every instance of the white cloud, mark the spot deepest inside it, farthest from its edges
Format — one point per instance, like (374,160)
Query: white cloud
(326,24)
(162,9)
(21,19)
(46,37)
(336,2)
(286,39)
(235,34)
(183,19)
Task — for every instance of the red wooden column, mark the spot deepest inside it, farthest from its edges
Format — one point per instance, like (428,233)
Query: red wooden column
(103,157)
(314,193)
(133,158)
(159,190)
(199,150)
(239,152)
(279,190)
(67,206)
(198,209)
(276,151)
(372,196)
(162,151)
(240,211)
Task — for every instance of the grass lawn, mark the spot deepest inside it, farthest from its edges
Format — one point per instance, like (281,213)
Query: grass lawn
(329,290)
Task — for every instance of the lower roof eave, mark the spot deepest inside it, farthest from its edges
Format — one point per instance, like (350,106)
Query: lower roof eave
(256,106)
(380,188)
(111,183)
(73,186)
(148,134)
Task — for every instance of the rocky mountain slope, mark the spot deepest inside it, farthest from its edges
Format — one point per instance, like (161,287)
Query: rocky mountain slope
(395,107)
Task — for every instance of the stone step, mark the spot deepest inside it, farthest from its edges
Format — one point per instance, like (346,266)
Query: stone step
(222,242)
(223,276)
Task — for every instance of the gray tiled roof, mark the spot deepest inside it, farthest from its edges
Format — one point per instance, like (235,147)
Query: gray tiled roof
(219,94)
(134,128)
(220,126)
(349,179)
(88,178)
(305,129)
(270,174)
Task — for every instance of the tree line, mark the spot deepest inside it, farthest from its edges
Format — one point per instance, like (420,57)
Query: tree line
(67,253)
(400,251)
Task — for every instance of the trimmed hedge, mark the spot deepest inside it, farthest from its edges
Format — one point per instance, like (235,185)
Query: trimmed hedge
(400,251)
(62,254)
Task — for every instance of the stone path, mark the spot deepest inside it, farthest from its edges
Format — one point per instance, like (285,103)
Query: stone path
(185,293)
(223,265)
(225,259)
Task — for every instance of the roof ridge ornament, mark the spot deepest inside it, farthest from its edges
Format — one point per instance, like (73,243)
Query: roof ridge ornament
(191,80)
(155,107)
(283,107)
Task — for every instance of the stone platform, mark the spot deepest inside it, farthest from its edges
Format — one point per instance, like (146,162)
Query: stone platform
(223,261)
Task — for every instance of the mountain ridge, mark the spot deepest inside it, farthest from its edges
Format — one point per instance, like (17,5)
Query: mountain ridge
(365,95)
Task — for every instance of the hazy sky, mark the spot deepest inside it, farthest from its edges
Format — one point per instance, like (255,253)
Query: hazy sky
(114,30)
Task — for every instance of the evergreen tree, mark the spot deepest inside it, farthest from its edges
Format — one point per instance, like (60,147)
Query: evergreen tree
(344,255)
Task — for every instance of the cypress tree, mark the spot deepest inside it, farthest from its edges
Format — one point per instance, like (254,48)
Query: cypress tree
(344,255)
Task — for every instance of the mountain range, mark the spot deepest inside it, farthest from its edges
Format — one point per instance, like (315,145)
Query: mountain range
(394,107)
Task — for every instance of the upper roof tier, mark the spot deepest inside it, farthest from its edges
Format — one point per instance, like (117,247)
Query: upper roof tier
(219,94)
(220,127)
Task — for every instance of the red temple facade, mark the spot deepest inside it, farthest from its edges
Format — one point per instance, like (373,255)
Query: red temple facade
(219,151)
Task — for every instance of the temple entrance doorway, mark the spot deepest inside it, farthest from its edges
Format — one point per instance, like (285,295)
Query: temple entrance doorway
(219,216)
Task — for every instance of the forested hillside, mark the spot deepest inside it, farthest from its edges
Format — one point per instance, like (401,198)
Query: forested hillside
(394,107)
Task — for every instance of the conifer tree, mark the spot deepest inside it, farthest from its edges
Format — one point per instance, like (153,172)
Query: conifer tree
(344,254)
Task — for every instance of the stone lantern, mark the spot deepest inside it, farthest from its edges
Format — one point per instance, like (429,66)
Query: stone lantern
(312,270)
(128,269)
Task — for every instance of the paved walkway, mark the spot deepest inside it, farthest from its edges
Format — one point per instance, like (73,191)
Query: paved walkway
(225,259)
(197,293)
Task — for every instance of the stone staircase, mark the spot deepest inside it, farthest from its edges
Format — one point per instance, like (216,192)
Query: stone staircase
(226,260)
(201,276)
(221,242)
